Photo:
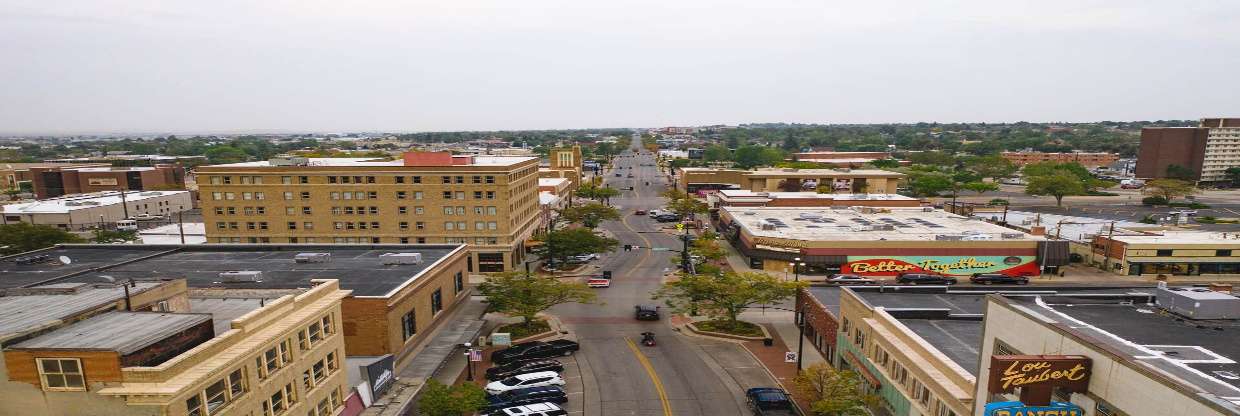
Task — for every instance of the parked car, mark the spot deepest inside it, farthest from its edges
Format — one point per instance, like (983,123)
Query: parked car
(925,278)
(770,401)
(525,396)
(537,409)
(630,175)
(646,312)
(850,279)
(539,379)
(147,217)
(127,225)
(999,278)
(667,218)
(535,349)
(526,367)
(584,258)
(1185,212)
(639,212)
(512,365)
(598,282)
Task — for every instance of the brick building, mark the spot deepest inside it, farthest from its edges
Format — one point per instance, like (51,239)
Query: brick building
(54,181)
(1207,150)
(1089,160)
(860,181)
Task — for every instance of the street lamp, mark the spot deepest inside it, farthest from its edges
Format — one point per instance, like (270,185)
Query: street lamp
(800,315)
(469,362)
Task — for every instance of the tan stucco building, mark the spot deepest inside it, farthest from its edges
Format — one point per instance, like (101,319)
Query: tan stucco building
(861,181)
(487,202)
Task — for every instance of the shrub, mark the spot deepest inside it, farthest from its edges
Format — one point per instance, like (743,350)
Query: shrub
(997,201)
(1149,219)
(1154,200)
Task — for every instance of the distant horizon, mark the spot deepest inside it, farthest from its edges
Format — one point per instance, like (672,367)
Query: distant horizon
(189,133)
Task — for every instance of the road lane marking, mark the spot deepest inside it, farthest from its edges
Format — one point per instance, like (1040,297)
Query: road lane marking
(658,384)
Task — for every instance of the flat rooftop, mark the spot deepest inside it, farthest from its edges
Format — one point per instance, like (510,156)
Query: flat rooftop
(1067,227)
(379,162)
(551,181)
(24,311)
(358,267)
(728,194)
(123,332)
(1203,354)
(84,201)
(224,310)
(857,224)
(1176,237)
(847,173)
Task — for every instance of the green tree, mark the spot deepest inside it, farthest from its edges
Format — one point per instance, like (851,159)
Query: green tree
(589,215)
(110,236)
(598,193)
(687,206)
(439,399)
(1233,175)
(994,167)
(1169,188)
(981,187)
(225,154)
(833,392)
(885,163)
(557,246)
(1058,184)
(707,246)
(525,295)
(725,295)
(22,237)
(716,153)
(1180,172)
(747,157)
(929,183)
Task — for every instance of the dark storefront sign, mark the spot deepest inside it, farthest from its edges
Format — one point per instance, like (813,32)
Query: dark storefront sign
(1038,376)
(380,374)
(1020,409)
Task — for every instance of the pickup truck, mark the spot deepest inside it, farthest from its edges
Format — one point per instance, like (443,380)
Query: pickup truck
(770,401)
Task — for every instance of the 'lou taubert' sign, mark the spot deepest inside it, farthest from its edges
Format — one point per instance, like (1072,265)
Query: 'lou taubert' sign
(1038,375)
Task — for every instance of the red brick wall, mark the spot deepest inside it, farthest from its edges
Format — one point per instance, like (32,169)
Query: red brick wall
(1164,146)
(820,321)
(428,159)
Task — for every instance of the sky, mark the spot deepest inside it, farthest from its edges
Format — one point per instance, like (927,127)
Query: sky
(224,66)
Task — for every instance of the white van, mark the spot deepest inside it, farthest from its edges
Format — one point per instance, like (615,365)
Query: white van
(127,225)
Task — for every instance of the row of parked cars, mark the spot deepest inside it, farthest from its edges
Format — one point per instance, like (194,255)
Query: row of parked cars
(526,380)
(931,279)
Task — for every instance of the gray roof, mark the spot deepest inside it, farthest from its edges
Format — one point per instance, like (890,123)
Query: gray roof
(358,267)
(224,311)
(124,332)
(21,313)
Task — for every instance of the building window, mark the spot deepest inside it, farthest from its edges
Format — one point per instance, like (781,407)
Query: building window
(447,194)
(273,359)
(421,240)
(1163,253)
(305,195)
(418,210)
(420,225)
(459,281)
(436,301)
(417,195)
(490,179)
(400,194)
(286,180)
(1222,253)
(400,179)
(217,395)
(404,225)
(417,179)
(476,179)
(61,374)
(408,325)
(303,179)
(292,225)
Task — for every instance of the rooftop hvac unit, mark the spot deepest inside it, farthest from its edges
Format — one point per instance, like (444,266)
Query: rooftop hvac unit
(312,257)
(844,169)
(1197,303)
(881,227)
(927,209)
(72,203)
(978,237)
(289,161)
(748,213)
(763,194)
(809,215)
(766,226)
(1012,236)
(401,258)
(948,237)
(1026,221)
(90,202)
(241,276)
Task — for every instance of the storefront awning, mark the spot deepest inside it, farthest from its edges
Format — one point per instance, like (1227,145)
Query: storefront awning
(862,369)
(1183,260)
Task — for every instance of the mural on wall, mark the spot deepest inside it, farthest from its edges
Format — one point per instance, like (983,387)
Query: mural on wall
(947,265)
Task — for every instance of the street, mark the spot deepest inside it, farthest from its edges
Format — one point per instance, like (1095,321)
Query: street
(682,375)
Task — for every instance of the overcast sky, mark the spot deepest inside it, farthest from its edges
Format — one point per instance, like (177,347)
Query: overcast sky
(273,65)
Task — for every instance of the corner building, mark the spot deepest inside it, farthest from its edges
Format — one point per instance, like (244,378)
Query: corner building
(487,202)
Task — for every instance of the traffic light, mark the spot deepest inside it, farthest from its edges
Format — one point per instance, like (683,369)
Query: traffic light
(607,274)
(628,247)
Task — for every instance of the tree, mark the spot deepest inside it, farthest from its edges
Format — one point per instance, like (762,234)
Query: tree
(687,206)
(1058,184)
(1169,188)
(673,194)
(22,237)
(716,153)
(725,295)
(929,183)
(557,246)
(993,167)
(707,246)
(525,295)
(110,237)
(589,215)
(790,185)
(225,154)
(833,392)
(885,163)
(981,187)
(747,157)
(439,399)
(1175,171)
(595,192)
(1233,175)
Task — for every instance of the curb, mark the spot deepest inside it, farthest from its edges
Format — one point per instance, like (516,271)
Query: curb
(765,333)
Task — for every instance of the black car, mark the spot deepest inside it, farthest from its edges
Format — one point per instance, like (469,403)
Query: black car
(925,278)
(528,395)
(667,218)
(535,349)
(999,278)
(505,371)
(646,312)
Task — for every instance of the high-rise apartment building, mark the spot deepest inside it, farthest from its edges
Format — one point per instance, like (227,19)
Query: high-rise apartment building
(487,202)
(1206,150)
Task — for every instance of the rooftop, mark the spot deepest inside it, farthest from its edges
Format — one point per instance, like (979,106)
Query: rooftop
(1202,354)
(805,172)
(747,194)
(379,162)
(84,201)
(1064,226)
(1177,237)
(123,332)
(358,267)
(23,311)
(867,224)
(552,181)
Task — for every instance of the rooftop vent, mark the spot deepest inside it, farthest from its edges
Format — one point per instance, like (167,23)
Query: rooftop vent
(241,276)
(401,258)
(766,226)
(1012,236)
(312,257)
(1198,303)
(948,237)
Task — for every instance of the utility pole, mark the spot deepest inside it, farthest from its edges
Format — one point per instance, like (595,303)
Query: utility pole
(181,225)
(800,314)
(1106,250)
(124,204)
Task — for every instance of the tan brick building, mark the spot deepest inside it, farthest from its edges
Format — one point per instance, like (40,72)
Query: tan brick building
(860,181)
(1089,160)
(565,162)
(90,349)
(54,181)
(487,202)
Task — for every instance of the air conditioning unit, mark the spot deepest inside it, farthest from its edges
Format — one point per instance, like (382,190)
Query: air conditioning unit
(948,237)
(766,226)
(977,237)
(809,215)
(882,227)
(312,257)
(401,258)
(72,203)
(927,209)
(241,276)
(1012,236)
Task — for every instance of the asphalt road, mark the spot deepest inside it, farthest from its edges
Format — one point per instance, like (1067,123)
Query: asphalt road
(622,377)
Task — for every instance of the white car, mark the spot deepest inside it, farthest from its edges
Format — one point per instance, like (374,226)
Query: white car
(520,381)
(584,258)
(145,217)
(1185,212)
(536,409)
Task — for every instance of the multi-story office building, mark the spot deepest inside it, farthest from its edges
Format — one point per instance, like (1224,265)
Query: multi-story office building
(101,209)
(565,162)
(54,181)
(1207,150)
(487,202)
(1089,160)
